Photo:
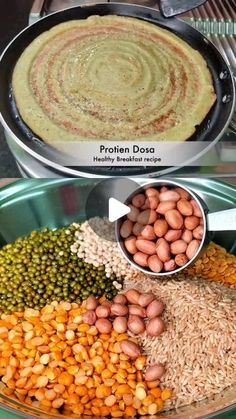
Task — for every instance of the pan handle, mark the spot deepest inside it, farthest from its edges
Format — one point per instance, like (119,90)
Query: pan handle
(171,8)
(36,11)
(222,220)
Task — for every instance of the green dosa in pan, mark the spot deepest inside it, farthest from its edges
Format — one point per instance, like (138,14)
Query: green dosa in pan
(114,78)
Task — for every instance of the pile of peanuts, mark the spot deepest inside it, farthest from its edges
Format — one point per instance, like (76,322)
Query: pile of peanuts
(164,228)
(52,360)
(126,313)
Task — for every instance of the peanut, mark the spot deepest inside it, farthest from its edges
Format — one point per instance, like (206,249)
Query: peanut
(160,228)
(130,245)
(133,214)
(145,299)
(126,229)
(191,222)
(102,311)
(154,372)
(147,216)
(148,233)
(163,250)
(155,327)
(120,324)
(181,259)
(91,303)
(141,259)
(170,195)
(120,299)
(183,193)
(155,264)
(154,309)
(192,249)
(165,206)
(132,296)
(170,265)
(146,246)
(119,309)
(198,232)
(174,219)
(187,236)
(103,325)
(138,200)
(89,317)
(196,209)
(137,229)
(185,207)
(179,246)
(130,348)
(173,235)
(136,310)
(150,192)
(152,202)
(136,324)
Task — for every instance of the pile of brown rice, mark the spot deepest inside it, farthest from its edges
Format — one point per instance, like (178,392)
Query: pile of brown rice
(198,347)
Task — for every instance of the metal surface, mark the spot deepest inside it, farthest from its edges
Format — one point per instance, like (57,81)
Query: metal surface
(37,11)
(222,220)
(170,8)
(223,155)
(216,19)
(33,204)
(211,128)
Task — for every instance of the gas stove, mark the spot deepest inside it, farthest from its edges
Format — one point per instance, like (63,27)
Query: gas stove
(216,19)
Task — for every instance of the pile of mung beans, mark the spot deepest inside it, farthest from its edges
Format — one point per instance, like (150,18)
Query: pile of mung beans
(40,268)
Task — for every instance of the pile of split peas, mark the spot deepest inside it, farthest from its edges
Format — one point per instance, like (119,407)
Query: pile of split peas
(78,358)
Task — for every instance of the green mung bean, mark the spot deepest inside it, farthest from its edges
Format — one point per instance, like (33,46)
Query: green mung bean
(40,268)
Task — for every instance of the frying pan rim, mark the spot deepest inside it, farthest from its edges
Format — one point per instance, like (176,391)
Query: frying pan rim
(68,170)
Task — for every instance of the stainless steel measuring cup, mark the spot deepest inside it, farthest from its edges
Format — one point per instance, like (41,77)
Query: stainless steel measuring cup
(212,222)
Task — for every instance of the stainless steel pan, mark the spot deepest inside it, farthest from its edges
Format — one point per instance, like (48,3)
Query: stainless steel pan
(210,130)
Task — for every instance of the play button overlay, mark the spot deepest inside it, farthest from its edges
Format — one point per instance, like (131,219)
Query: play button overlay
(106,204)
(116,210)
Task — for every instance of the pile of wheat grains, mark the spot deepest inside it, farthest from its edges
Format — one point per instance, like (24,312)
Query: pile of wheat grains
(198,347)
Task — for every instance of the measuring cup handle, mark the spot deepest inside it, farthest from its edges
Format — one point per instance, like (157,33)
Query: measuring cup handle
(222,220)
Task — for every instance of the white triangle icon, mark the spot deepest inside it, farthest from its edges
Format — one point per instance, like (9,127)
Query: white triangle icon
(116,210)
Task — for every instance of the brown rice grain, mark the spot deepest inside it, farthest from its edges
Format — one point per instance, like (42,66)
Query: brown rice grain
(198,347)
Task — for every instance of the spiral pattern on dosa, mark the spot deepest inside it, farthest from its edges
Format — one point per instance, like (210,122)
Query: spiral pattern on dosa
(112,77)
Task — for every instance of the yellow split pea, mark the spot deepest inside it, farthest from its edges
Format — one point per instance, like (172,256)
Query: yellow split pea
(74,366)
